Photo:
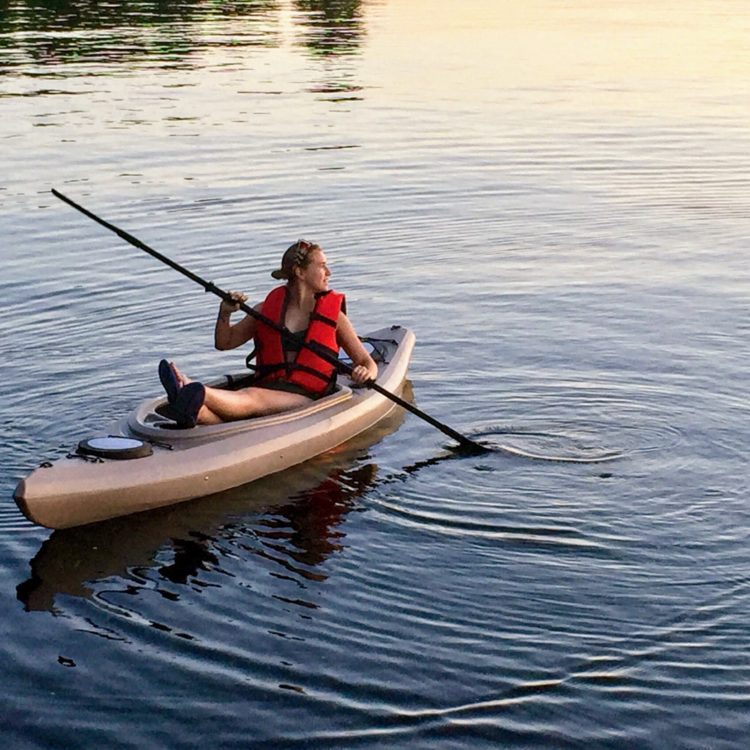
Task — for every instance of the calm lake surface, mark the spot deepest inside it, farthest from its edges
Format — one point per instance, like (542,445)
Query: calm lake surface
(555,198)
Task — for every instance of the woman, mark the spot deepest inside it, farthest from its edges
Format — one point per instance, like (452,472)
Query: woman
(289,375)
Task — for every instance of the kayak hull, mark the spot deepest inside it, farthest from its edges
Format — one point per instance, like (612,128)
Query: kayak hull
(206,459)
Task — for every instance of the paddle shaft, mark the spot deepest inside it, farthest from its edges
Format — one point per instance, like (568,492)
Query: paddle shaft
(465,443)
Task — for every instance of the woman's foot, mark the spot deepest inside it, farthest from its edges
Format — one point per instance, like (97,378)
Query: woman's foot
(188,403)
(182,380)
(169,381)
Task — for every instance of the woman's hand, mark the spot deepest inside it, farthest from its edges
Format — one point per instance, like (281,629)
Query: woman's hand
(226,308)
(228,335)
(363,365)
(361,374)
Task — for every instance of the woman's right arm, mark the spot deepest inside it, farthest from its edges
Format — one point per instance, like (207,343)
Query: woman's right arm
(228,336)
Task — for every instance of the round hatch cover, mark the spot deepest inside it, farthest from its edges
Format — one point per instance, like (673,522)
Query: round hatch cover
(115,447)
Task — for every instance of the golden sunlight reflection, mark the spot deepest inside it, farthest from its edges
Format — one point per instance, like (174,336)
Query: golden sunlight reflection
(632,55)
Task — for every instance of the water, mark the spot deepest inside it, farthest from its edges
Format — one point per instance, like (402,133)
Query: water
(555,198)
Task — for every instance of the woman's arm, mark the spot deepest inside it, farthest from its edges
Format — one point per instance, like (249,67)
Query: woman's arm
(227,336)
(364,365)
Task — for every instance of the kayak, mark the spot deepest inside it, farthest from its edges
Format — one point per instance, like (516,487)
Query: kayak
(146,462)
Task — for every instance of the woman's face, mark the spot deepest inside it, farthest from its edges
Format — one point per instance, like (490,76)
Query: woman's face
(315,274)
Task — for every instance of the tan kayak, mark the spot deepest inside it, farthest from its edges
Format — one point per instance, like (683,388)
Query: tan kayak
(145,463)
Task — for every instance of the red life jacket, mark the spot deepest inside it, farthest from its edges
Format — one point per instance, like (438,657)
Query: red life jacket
(307,369)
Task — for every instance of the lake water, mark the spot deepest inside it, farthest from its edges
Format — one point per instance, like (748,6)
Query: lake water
(555,198)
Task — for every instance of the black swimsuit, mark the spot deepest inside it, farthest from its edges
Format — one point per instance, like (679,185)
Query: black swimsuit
(292,345)
(293,342)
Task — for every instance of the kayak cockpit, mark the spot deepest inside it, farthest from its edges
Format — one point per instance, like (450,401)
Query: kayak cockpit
(146,421)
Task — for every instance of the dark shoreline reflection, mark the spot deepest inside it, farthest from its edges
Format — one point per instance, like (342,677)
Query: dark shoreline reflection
(293,519)
(333,27)
(158,34)
(163,34)
(56,15)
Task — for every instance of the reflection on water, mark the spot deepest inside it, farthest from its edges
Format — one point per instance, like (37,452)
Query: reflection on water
(293,520)
(167,33)
(334,27)
(55,15)
(305,532)
(297,535)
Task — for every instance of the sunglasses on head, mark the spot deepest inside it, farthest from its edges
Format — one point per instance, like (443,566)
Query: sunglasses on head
(301,249)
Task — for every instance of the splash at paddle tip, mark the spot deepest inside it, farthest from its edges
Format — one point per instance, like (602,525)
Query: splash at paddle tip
(537,445)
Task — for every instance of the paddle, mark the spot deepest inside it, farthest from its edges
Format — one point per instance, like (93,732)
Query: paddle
(465,444)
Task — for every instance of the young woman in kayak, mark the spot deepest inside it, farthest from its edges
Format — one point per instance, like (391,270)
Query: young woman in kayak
(288,375)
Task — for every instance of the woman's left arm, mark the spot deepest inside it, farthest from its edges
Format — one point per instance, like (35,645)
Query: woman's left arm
(364,365)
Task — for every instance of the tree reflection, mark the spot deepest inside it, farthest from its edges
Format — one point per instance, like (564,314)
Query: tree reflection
(44,15)
(151,32)
(166,31)
(334,27)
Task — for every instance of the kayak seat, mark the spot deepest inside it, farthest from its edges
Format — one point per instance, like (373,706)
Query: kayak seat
(237,381)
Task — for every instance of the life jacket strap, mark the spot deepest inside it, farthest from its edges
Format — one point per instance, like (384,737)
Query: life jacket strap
(323,319)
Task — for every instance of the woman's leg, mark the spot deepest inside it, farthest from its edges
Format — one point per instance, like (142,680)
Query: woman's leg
(226,406)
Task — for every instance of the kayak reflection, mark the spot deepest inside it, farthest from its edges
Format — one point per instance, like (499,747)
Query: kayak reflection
(302,534)
(293,519)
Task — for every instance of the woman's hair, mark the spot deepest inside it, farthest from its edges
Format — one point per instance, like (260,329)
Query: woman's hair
(296,256)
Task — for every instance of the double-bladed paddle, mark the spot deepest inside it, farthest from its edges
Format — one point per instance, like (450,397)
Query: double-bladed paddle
(465,444)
